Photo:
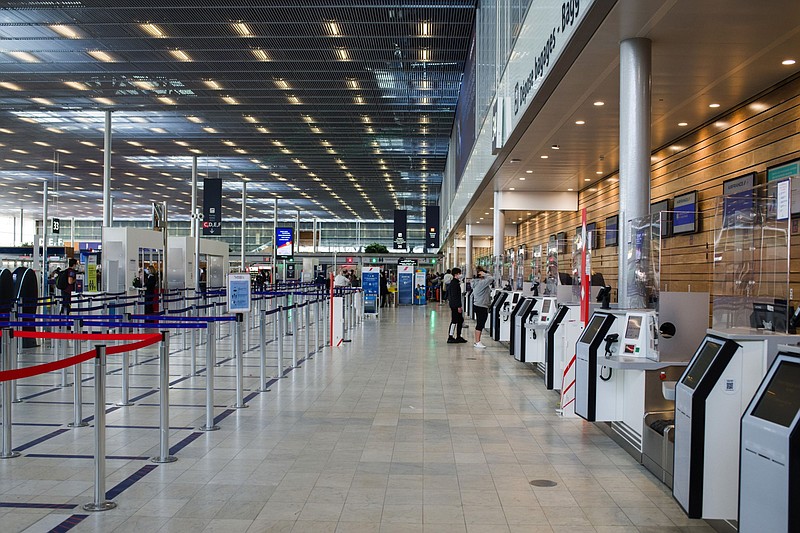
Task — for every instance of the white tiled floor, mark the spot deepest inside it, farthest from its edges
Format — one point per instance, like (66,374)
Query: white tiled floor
(394,432)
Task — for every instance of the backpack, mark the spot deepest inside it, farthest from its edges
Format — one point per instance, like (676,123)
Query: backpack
(62,281)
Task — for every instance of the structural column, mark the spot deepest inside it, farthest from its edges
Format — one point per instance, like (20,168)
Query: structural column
(499,234)
(274,241)
(45,286)
(467,251)
(634,152)
(107,171)
(194,193)
(244,223)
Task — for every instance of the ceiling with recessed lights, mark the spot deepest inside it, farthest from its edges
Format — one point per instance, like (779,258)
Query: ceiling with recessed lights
(339,111)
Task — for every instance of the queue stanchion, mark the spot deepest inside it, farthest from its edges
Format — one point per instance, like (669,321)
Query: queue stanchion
(163,401)
(7,452)
(317,321)
(293,329)
(307,328)
(211,356)
(77,385)
(345,313)
(57,345)
(100,503)
(126,374)
(193,342)
(274,305)
(262,351)
(238,352)
(280,341)
(14,354)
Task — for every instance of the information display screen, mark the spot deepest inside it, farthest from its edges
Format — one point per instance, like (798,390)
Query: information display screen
(546,307)
(633,327)
(284,240)
(592,329)
(700,364)
(781,399)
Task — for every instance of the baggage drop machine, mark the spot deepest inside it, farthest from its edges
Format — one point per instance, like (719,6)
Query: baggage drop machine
(710,399)
(518,332)
(769,455)
(493,323)
(506,316)
(536,328)
(560,337)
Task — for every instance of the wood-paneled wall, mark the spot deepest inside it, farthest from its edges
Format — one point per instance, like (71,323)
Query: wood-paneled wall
(760,133)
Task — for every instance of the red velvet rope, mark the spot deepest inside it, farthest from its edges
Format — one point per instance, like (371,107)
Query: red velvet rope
(84,336)
(144,340)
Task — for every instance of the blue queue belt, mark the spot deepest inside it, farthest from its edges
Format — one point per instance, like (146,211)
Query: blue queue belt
(200,319)
(68,317)
(147,325)
(45,324)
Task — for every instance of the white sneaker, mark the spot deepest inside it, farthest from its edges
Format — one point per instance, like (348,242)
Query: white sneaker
(479,345)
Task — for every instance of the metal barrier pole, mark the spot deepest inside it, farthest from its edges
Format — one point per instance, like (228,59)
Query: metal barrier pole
(307,327)
(163,400)
(274,305)
(7,452)
(126,374)
(100,503)
(193,351)
(317,320)
(280,342)
(58,345)
(293,329)
(14,353)
(77,385)
(238,342)
(345,313)
(211,356)
(262,355)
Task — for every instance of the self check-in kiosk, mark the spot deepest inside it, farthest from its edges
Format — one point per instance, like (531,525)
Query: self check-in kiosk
(710,399)
(769,457)
(536,327)
(505,314)
(587,367)
(517,346)
(560,337)
(493,324)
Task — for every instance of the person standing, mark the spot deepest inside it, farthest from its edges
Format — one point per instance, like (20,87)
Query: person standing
(384,289)
(448,277)
(481,299)
(150,286)
(341,279)
(457,308)
(67,286)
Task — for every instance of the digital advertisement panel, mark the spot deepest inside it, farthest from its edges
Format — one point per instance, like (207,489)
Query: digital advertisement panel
(284,241)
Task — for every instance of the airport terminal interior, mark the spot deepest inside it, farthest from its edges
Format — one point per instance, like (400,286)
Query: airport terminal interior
(453,266)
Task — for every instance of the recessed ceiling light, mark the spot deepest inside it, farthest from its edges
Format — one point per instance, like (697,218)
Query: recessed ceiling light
(180,55)
(153,31)
(103,100)
(713,105)
(580,122)
(556,147)
(599,103)
(342,53)
(522,179)
(242,29)
(43,101)
(333,28)
(101,56)
(230,100)
(529,172)
(788,62)
(598,172)
(512,188)
(260,54)
(166,100)
(587,179)
(196,120)
(544,156)
(65,31)
(24,56)
(570,190)
(682,124)
(78,86)
(10,86)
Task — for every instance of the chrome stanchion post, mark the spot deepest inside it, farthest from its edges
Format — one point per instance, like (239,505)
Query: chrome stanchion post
(307,328)
(126,374)
(7,452)
(238,353)
(280,342)
(211,356)
(163,400)
(58,344)
(317,320)
(100,503)
(193,352)
(77,385)
(14,353)
(262,353)
(345,313)
(293,329)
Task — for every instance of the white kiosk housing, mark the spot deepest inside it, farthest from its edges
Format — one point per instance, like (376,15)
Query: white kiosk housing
(536,329)
(517,346)
(125,251)
(181,270)
(505,315)
(770,450)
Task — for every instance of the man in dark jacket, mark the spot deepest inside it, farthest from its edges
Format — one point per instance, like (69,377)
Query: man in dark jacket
(457,308)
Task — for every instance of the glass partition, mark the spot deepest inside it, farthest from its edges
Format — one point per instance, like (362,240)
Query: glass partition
(750,281)
(644,261)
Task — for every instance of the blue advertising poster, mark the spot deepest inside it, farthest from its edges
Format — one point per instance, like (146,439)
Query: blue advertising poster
(370,282)
(284,241)
(420,278)
(405,285)
(685,218)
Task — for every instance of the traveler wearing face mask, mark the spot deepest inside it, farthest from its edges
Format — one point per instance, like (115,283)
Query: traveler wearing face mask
(481,299)
(457,308)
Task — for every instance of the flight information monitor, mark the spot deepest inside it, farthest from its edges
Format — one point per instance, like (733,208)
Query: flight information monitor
(545,307)
(633,327)
(592,329)
(781,399)
(708,352)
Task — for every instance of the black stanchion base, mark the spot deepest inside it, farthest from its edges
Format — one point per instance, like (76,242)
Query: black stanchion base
(243,406)
(120,404)
(16,401)
(10,455)
(74,425)
(206,428)
(167,459)
(99,507)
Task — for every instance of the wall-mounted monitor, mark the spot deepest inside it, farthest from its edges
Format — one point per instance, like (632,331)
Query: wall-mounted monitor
(561,240)
(790,169)
(633,327)
(665,218)
(591,330)
(612,231)
(781,399)
(739,202)
(685,219)
(702,360)
(545,306)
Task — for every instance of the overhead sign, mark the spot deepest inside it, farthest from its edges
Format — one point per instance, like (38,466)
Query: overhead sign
(400,230)
(56,225)
(212,206)
(432,227)
(284,242)
(238,293)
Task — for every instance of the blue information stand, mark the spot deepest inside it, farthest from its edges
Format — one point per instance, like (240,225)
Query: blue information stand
(370,282)
(420,287)
(405,285)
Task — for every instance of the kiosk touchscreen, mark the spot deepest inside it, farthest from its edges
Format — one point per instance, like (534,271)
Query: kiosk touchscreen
(521,314)
(493,325)
(704,401)
(553,347)
(640,335)
(769,483)
(587,370)
(536,327)
(503,331)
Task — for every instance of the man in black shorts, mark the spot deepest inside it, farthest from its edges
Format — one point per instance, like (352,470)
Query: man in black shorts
(457,308)
(481,299)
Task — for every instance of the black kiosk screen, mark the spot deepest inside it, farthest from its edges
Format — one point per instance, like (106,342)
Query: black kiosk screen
(701,364)
(781,399)
(592,329)
(545,307)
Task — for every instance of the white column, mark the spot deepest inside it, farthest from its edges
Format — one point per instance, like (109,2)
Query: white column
(194,194)
(244,223)
(44,240)
(274,241)
(498,233)
(467,252)
(107,171)
(634,153)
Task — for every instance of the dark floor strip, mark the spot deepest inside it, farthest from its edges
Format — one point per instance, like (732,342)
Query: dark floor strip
(150,427)
(34,424)
(144,395)
(75,456)
(42,393)
(223,415)
(40,440)
(109,410)
(20,505)
(129,481)
(184,442)
(69,523)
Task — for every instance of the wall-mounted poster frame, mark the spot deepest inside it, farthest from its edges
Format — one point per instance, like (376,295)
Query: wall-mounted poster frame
(594,238)
(612,231)
(561,240)
(738,194)
(685,220)
(666,218)
(789,169)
